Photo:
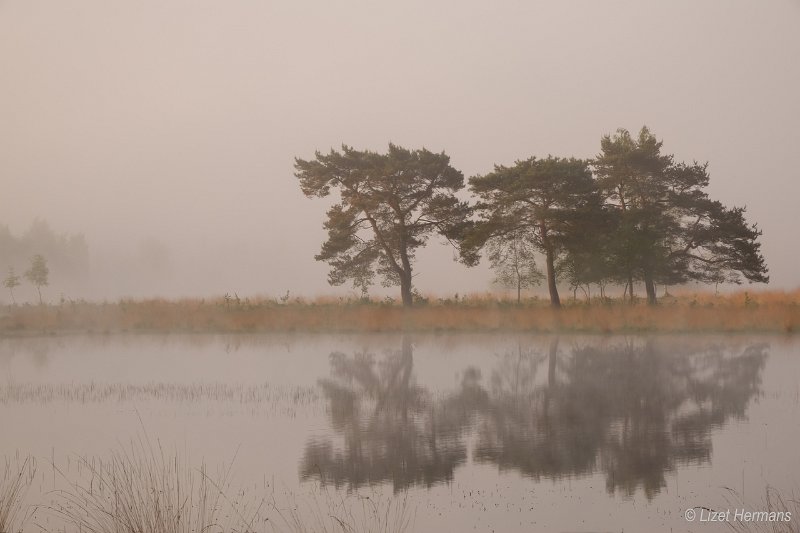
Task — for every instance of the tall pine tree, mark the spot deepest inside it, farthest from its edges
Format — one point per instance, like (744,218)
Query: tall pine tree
(668,230)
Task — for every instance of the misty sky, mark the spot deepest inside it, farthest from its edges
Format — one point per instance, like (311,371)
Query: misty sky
(165,131)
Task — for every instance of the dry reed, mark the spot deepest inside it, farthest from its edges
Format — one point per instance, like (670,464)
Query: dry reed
(774,312)
(267,395)
(783,513)
(141,489)
(14,484)
(320,511)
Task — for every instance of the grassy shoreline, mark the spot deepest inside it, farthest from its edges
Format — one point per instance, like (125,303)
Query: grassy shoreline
(764,312)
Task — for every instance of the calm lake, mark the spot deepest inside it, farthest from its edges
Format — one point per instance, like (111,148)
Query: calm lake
(486,432)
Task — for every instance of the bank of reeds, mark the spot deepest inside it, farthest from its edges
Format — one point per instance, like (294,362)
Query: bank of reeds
(774,312)
(14,483)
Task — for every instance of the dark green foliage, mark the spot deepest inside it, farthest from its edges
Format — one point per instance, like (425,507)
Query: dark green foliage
(389,205)
(667,229)
(545,200)
(642,218)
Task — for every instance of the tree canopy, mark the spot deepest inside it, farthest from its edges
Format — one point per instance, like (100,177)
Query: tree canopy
(632,214)
(389,206)
(668,230)
(546,200)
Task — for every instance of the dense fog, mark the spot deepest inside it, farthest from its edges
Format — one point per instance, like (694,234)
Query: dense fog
(147,148)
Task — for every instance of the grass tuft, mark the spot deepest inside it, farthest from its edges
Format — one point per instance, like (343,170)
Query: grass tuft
(783,515)
(142,489)
(14,484)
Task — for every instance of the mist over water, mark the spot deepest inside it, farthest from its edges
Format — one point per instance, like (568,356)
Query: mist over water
(486,431)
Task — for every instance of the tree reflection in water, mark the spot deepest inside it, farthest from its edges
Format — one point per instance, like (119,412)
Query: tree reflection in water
(633,410)
(390,426)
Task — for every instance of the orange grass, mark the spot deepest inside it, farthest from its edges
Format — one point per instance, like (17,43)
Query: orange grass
(777,312)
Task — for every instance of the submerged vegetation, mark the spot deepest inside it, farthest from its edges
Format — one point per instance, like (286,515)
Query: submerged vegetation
(773,312)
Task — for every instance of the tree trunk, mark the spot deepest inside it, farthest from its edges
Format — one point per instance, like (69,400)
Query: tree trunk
(630,287)
(519,291)
(555,301)
(650,287)
(39,289)
(405,274)
(405,290)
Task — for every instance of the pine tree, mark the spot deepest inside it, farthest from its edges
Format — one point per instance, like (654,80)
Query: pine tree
(389,206)
(668,230)
(543,198)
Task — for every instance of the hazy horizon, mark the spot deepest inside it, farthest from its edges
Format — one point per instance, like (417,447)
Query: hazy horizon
(166,132)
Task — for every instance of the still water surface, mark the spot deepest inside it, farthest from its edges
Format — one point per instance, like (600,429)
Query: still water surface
(484,432)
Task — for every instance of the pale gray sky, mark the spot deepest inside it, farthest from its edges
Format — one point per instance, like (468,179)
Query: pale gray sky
(155,124)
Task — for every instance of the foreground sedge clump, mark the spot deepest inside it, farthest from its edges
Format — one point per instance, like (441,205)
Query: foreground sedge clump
(14,483)
(143,488)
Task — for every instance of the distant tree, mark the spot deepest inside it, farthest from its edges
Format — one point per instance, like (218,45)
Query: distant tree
(389,205)
(38,273)
(584,268)
(513,259)
(11,281)
(68,253)
(544,198)
(669,231)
